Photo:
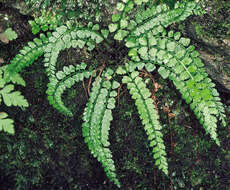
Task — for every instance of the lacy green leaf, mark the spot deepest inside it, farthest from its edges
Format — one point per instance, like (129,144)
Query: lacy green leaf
(13,98)
(6,124)
(10,34)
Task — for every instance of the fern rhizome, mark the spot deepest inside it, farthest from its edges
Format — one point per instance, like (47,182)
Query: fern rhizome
(150,46)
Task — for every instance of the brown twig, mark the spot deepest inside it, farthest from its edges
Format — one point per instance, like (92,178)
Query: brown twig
(90,80)
(83,84)
(156,87)
(118,95)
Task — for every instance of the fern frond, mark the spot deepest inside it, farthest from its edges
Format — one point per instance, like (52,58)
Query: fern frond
(15,78)
(148,115)
(64,38)
(27,55)
(6,124)
(97,118)
(125,26)
(204,101)
(63,80)
(12,98)
(47,21)
(181,64)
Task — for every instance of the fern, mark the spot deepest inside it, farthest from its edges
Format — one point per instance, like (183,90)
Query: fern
(10,34)
(63,38)
(70,9)
(10,98)
(45,22)
(123,25)
(26,56)
(181,64)
(150,46)
(149,116)
(41,4)
(6,124)
(97,117)
(65,79)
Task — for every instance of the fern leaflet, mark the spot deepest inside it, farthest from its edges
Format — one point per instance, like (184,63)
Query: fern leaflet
(6,124)
(125,26)
(10,99)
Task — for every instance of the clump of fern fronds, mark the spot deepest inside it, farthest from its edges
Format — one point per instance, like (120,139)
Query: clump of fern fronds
(150,46)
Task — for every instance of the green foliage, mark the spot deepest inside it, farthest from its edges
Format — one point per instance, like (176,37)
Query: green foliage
(45,22)
(64,38)
(45,4)
(70,9)
(153,17)
(27,56)
(180,62)
(97,118)
(10,34)
(149,117)
(6,124)
(65,79)
(150,46)
(10,98)
(170,3)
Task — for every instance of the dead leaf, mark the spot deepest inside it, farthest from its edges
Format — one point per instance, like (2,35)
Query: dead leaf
(172,115)
(4,38)
(156,86)
(1,60)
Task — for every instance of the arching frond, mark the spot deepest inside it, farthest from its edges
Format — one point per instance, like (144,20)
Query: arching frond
(149,116)
(63,80)
(97,118)
(181,63)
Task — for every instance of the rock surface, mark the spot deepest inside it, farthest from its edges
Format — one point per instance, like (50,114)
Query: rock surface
(211,35)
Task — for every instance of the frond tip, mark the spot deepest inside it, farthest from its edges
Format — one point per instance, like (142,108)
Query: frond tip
(27,55)
(63,80)
(6,124)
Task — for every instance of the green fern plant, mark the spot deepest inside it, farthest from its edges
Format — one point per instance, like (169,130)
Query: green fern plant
(45,22)
(71,9)
(150,46)
(10,98)
(10,34)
